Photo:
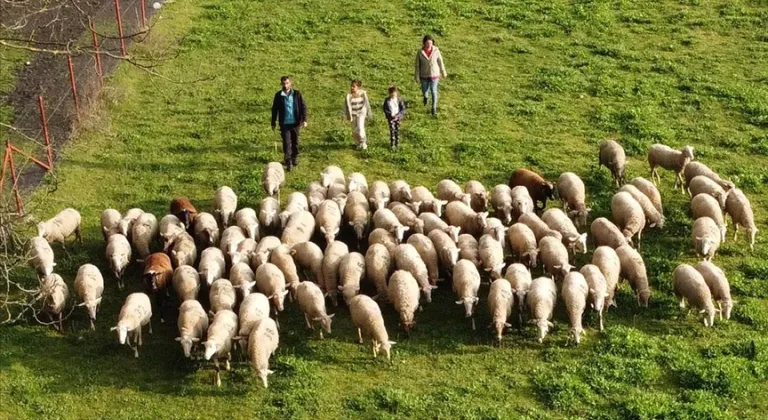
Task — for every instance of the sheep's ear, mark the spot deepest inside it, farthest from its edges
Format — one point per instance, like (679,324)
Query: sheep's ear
(322,229)
(53,264)
(406,228)
(98,301)
(235,338)
(531,321)
(195,339)
(550,324)
(178,338)
(113,328)
(351,223)
(653,224)
(508,325)
(317,318)
(340,288)
(392,343)
(104,228)
(283,293)
(269,372)
(336,232)
(459,302)
(331,315)
(444,202)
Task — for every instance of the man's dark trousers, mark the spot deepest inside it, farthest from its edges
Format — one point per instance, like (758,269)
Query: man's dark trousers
(290,136)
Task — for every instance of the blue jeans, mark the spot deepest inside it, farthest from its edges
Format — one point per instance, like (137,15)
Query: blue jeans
(430,85)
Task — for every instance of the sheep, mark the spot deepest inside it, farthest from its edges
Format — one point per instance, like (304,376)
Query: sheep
(328,219)
(206,230)
(738,207)
(89,286)
(221,331)
(652,216)
(612,156)
(378,265)
(273,178)
(703,185)
(270,281)
(248,221)
(704,205)
(262,344)
(358,216)
(694,169)
(519,278)
(718,287)
(157,277)
(689,285)
(182,208)
(466,283)
(225,205)
(607,260)
(598,289)
(296,202)
(459,214)
(500,302)
(605,233)
(501,201)
(407,258)
(110,223)
(554,256)
(522,202)
(312,302)
(379,195)
(407,217)
(183,250)
(366,316)
(300,227)
(40,256)
(332,175)
(54,294)
(434,222)
(469,249)
(253,309)
(539,228)
(242,278)
(263,251)
(338,193)
(403,292)
(706,237)
(212,265)
(357,182)
(522,241)
(222,296)
(170,227)
(245,251)
(125,224)
(268,214)
(192,324)
(445,246)
(351,273)
(541,299)
(574,292)
(118,254)
(628,215)
(646,187)
(571,190)
(660,155)
(400,191)
(135,313)
(557,220)
(383,237)
(186,283)
(143,232)
(496,229)
(538,188)
(449,191)
(60,227)
(282,257)
(424,201)
(329,264)
(230,240)
(309,256)
(491,256)
(316,194)
(633,269)
(478,196)
(387,220)
(428,253)
(356,197)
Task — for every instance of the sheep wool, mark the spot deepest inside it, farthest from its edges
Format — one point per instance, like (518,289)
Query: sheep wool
(366,316)
(89,286)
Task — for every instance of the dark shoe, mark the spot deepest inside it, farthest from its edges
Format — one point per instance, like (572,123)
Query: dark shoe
(425,101)
(295,162)
(290,168)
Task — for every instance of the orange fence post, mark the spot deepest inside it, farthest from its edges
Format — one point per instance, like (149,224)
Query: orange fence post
(44,121)
(120,27)
(19,208)
(96,53)
(5,166)
(74,85)
(143,13)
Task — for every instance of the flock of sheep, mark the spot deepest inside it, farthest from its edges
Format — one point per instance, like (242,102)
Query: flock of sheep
(412,239)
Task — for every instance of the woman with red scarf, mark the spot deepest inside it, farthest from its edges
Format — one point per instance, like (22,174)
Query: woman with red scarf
(429,69)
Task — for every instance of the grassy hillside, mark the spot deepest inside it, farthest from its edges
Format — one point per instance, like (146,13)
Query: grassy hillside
(532,83)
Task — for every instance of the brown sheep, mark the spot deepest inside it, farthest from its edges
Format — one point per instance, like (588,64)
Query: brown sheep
(157,277)
(539,188)
(182,208)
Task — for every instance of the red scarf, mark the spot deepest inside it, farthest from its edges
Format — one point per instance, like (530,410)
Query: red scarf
(428,52)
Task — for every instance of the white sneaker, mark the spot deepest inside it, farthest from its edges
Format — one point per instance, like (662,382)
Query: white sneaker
(364,146)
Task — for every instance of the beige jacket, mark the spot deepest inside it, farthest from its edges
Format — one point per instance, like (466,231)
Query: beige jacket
(429,67)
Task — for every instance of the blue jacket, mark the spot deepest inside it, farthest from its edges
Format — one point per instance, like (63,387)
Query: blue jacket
(400,104)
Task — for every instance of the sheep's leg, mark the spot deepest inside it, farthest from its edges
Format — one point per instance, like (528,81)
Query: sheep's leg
(720,309)
(79,234)
(61,323)
(159,303)
(600,317)
(227,367)
(735,231)
(93,326)
(653,173)
(373,347)
(138,333)
(321,334)
(682,302)
(306,319)
(474,328)
(216,376)
(150,326)
(360,336)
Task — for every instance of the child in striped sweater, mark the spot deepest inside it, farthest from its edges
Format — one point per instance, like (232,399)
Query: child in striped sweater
(358,109)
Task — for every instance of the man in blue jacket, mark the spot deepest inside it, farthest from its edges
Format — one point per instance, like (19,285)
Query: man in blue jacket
(289,110)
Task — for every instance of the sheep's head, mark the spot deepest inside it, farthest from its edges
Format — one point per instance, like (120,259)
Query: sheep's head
(150,281)
(330,234)
(466,199)
(186,344)
(41,230)
(325,322)
(386,347)
(453,257)
(122,332)
(437,207)
(349,291)
(482,219)
(709,315)
(91,306)
(418,226)
(704,245)
(415,206)
(687,152)
(278,299)
(263,374)
(532,256)
(469,303)
(643,296)
(576,334)
(543,325)
(498,328)
(548,190)
(454,232)
(426,291)
(727,306)
(245,288)
(359,229)
(211,347)
(506,213)
(579,243)
(399,232)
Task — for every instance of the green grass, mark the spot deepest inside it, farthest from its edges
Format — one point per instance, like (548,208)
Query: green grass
(534,84)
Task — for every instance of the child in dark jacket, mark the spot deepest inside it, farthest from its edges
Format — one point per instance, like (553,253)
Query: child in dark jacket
(394,110)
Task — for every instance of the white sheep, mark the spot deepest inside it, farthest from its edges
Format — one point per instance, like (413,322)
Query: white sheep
(60,227)
(400,191)
(135,314)
(357,182)
(612,156)
(522,241)
(54,293)
(598,289)
(425,201)
(718,287)
(407,258)
(495,227)
(434,222)
(309,256)
(703,185)
(478,196)
(519,278)
(270,282)
(500,302)
(297,202)
(559,221)
(225,205)
(706,237)
(689,285)
(646,187)
(459,214)
(316,194)
(206,230)
(358,215)
(183,250)
(469,249)
(522,203)
(334,252)
(328,219)
(264,250)
(541,299)
(118,253)
(40,256)
(245,250)
(383,237)
(89,286)
(403,292)
(212,265)
(253,309)
(282,257)
(312,302)
(379,195)
(605,233)
(332,175)
(539,228)
(738,207)
(501,201)
(554,257)
(466,283)
(387,220)
(366,316)
(273,178)
(428,253)
(262,343)
(351,273)
(268,214)
(144,231)
(574,292)
(447,251)
(449,191)
(607,260)
(628,215)
(126,223)
(660,155)
(170,227)
(694,169)
(704,205)
(338,193)
(491,256)
(652,216)
(378,265)
(110,222)
(230,240)
(633,269)
(573,193)
(299,228)
(186,283)
(407,217)
(242,278)
(192,324)
(218,345)
(222,295)
(248,221)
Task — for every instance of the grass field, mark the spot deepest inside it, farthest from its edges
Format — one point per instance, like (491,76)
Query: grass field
(532,83)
